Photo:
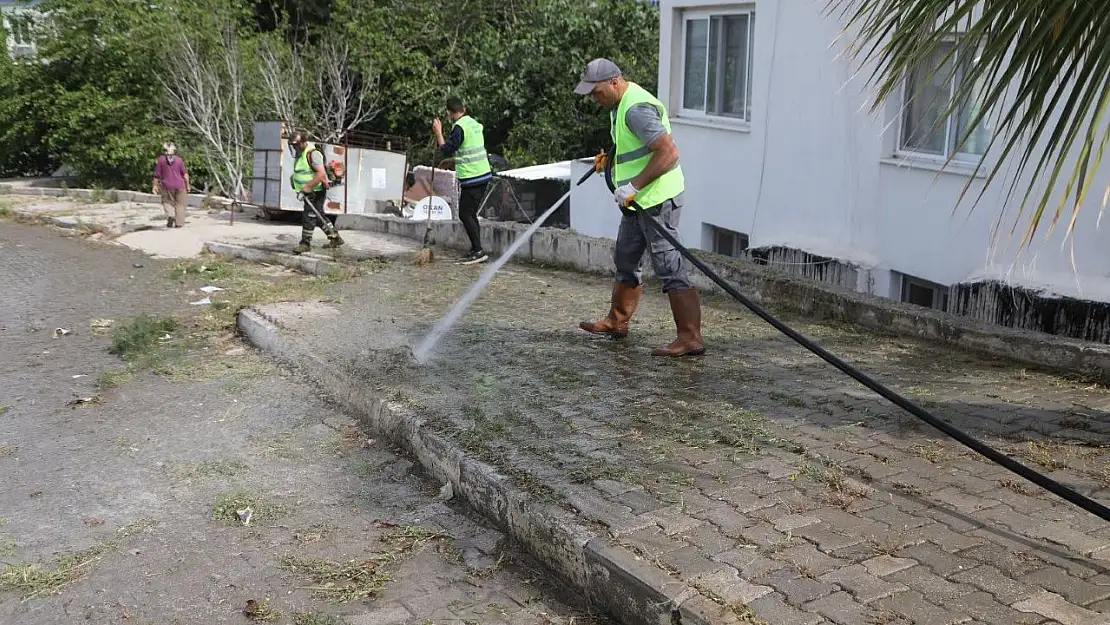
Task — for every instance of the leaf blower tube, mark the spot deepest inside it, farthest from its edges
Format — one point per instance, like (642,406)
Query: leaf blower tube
(1056,488)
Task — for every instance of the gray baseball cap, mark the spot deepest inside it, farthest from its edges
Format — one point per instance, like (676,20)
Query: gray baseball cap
(598,70)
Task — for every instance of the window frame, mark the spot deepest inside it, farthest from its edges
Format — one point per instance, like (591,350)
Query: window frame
(939,291)
(708,14)
(950,123)
(19,26)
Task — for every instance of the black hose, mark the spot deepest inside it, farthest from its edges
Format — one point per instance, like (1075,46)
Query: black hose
(982,449)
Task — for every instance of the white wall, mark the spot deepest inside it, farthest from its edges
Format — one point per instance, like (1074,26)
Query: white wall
(816,170)
(592,209)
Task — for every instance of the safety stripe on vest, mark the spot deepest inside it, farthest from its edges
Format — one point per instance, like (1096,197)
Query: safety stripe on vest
(466,160)
(469,151)
(638,153)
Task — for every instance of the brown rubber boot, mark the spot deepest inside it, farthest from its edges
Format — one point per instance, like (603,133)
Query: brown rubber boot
(686,308)
(626,298)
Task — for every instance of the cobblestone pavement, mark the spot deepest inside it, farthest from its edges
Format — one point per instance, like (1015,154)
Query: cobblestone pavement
(758,474)
(115,501)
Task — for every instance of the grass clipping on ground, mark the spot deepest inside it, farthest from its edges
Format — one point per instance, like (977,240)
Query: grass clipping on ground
(194,343)
(363,579)
(32,580)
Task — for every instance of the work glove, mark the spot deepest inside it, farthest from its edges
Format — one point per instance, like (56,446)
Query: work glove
(601,161)
(625,194)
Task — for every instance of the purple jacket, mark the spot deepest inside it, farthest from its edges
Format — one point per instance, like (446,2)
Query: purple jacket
(172,174)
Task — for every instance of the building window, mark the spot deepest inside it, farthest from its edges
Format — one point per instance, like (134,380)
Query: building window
(21,41)
(923,293)
(717,64)
(724,241)
(927,95)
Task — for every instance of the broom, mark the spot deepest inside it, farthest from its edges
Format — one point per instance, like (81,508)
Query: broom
(425,256)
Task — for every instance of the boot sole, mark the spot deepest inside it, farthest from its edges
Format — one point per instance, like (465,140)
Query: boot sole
(612,335)
(696,352)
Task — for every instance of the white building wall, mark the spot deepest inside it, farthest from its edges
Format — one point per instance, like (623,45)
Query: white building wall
(816,170)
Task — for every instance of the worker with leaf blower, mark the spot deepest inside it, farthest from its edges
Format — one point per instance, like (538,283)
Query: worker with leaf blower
(310,178)
(467,144)
(645,177)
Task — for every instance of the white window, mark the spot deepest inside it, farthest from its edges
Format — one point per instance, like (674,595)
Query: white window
(717,64)
(21,41)
(928,94)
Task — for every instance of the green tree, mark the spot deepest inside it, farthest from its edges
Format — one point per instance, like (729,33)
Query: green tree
(515,64)
(1041,68)
(100,89)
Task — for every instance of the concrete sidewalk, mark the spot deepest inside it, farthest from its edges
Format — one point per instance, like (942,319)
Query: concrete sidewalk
(142,227)
(756,484)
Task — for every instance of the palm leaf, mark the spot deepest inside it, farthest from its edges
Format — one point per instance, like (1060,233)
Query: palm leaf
(1041,69)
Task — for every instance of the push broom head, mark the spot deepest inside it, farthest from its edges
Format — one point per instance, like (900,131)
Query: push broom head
(423,257)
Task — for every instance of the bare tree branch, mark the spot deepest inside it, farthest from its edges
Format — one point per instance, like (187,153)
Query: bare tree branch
(346,100)
(205,91)
(282,76)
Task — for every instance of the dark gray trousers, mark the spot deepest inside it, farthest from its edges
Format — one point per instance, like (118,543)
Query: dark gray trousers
(636,235)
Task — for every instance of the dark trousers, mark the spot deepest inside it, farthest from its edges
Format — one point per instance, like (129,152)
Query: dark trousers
(470,200)
(309,220)
(636,235)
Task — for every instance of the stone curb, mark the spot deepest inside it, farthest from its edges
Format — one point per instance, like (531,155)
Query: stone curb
(612,578)
(306,263)
(570,250)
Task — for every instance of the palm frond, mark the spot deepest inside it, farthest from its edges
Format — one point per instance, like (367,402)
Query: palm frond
(1041,68)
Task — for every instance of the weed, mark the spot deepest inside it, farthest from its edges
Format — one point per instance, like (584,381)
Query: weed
(208,468)
(843,492)
(595,470)
(1015,485)
(340,583)
(315,533)
(931,451)
(114,379)
(7,450)
(33,581)
(1041,454)
(4,409)
(908,489)
(229,504)
(261,611)
(7,546)
(141,335)
(450,553)
(892,544)
(316,618)
(404,541)
(212,271)
(1074,422)
(788,400)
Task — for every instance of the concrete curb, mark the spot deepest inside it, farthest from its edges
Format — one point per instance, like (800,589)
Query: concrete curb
(570,250)
(612,578)
(306,263)
(65,221)
(196,200)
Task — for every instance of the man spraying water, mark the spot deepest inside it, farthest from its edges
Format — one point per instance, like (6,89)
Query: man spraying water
(645,179)
(647,171)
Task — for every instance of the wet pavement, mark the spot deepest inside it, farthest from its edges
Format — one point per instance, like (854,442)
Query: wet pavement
(758,474)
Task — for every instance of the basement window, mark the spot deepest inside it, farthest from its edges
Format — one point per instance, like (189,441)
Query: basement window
(724,241)
(923,293)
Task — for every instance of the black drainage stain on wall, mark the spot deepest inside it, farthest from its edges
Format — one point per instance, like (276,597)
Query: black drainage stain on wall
(1006,305)
(799,263)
